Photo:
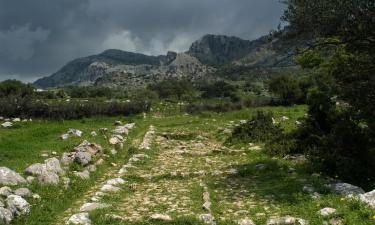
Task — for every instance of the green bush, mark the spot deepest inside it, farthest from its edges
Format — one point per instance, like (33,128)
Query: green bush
(259,129)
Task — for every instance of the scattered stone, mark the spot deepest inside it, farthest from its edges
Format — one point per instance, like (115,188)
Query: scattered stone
(53,165)
(116,140)
(44,155)
(246,221)
(99,162)
(88,207)
(5,191)
(84,175)
(79,219)
(161,217)
(285,221)
(16,120)
(147,139)
(6,216)
(67,158)
(17,205)
(121,130)
(36,196)
(94,134)
(368,198)
(110,188)
(35,169)
(297,158)
(326,212)
(333,221)
(207,218)
(346,189)
(64,136)
(30,179)
(113,151)
(82,158)
(91,168)
(23,192)
(54,153)
(116,181)
(232,171)
(9,177)
(91,148)
(66,182)
(7,124)
(48,178)
(284,118)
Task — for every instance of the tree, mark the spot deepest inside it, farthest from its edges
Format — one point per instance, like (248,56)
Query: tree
(286,88)
(15,88)
(340,130)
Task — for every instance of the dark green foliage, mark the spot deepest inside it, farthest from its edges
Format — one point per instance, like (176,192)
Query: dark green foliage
(220,89)
(286,88)
(226,106)
(173,89)
(282,144)
(339,133)
(16,89)
(259,129)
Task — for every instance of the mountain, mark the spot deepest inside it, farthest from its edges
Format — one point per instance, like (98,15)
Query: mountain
(114,68)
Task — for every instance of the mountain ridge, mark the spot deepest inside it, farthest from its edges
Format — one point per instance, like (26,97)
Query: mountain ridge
(115,67)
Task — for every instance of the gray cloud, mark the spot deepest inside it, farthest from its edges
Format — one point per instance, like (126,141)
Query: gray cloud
(38,37)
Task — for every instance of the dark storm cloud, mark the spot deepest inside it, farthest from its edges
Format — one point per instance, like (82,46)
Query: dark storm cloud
(37,37)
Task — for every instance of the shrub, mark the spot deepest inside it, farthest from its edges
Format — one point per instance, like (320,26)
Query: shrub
(259,129)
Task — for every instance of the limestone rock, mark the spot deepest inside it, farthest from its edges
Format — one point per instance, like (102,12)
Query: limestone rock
(48,178)
(116,181)
(368,198)
(286,220)
(67,158)
(79,219)
(207,218)
(110,188)
(7,124)
(161,217)
(17,205)
(5,191)
(116,139)
(87,207)
(35,169)
(346,189)
(91,148)
(84,175)
(6,216)
(23,192)
(82,158)
(53,165)
(246,221)
(121,130)
(326,212)
(94,134)
(9,177)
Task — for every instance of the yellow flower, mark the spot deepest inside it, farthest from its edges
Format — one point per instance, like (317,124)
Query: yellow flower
(342,199)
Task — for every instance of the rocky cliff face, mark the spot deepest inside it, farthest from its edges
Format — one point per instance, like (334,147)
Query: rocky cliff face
(119,68)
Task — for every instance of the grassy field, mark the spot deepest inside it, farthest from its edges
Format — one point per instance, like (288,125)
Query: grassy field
(171,183)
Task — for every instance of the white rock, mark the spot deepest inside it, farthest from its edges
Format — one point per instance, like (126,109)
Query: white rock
(161,217)
(5,191)
(87,207)
(16,120)
(64,136)
(116,181)
(121,130)
(284,118)
(82,158)
(23,192)
(207,218)
(48,178)
(368,198)
(94,134)
(246,221)
(6,216)
(84,175)
(79,219)
(9,177)
(17,205)
(116,139)
(232,171)
(326,212)
(110,188)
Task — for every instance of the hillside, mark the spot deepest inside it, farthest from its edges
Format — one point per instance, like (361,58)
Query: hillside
(120,68)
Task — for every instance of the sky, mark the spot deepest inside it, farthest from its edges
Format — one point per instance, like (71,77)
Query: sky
(37,37)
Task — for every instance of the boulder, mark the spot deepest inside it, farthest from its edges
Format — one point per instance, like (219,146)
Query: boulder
(84,175)
(9,177)
(17,205)
(79,219)
(246,221)
(6,216)
(368,198)
(74,133)
(121,130)
(7,124)
(326,212)
(30,179)
(346,189)
(82,158)
(207,218)
(35,169)
(91,168)
(115,181)
(116,139)
(110,188)
(94,134)
(88,207)
(48,178)
(161,217)
(23,192)
(53,165)
(16,120)
(5,191)
(286,220)
(91,148)
(67,158)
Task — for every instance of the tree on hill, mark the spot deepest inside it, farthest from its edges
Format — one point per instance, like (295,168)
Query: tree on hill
(286,88)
